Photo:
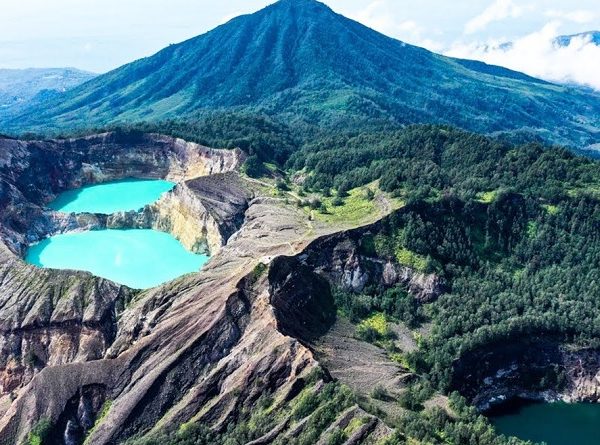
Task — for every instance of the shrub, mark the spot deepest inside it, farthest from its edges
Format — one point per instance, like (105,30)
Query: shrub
(40,432)
(337,202)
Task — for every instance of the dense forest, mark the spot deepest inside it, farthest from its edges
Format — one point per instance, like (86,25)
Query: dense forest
(513,229)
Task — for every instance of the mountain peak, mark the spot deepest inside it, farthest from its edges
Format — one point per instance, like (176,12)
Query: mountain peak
(299,58)
(306,5)
(300,2)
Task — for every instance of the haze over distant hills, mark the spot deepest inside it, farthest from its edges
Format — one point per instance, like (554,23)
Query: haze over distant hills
(300,60)
(19,87)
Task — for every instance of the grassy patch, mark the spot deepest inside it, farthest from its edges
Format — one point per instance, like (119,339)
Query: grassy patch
(411,259)
(354,209)
(550,209)
(487,197)
(39,433)
(271,167)
(257,272)
(377,324)
(401,359)
(101,415)
(337,437)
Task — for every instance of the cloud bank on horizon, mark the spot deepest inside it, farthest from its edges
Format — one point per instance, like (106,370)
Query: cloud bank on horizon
(538,53)
(535,52)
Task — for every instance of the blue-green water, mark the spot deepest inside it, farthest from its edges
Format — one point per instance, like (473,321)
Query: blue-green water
(111,197)
(137,258)
(552,423)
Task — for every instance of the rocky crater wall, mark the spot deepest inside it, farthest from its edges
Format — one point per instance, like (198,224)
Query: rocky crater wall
(42,169)
(52,318)
(541,368)
(342,259)
(33,173)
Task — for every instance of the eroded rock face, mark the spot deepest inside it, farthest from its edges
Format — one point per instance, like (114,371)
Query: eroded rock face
(343,261)
(42,169)
(202,213)
(539,368)
(49,318)
(53,318)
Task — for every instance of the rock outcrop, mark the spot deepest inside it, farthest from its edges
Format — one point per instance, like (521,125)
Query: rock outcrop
(538,368)
(343,261)
(49,318)
(202,213)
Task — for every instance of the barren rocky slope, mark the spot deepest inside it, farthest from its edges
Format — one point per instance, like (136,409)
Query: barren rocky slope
(204,347)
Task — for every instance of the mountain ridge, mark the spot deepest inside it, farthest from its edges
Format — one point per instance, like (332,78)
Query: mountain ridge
(19,87)
(299,60)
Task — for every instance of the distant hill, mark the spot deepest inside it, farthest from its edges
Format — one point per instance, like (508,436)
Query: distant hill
(18,87)
(592,36)
(560,41)
(298,60)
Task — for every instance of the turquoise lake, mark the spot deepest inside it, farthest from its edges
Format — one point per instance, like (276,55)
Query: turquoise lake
(140,259)
(111,197)
(137,258)
(552,423)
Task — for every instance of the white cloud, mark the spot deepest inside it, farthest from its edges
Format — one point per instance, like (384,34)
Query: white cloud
(377,15)
(537,55)
(580,16)
(499,10)
(380,15)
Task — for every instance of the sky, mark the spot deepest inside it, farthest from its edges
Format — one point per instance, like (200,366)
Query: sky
(99,35)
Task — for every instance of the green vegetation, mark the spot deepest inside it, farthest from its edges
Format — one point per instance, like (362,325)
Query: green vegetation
(377,324)
(413,397)
(258,271)
(375,329)
(368,309)
(514,232)
(424,162)
(551,209)
(315,405)
(356,207)
(100,417)
(40,433)
(436,426)
(487,197)
(412,259)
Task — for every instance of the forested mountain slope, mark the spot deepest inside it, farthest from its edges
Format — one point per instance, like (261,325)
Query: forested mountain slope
(299,60)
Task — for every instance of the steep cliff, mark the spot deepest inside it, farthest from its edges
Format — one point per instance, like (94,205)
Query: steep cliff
(53,317)
(538,368)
